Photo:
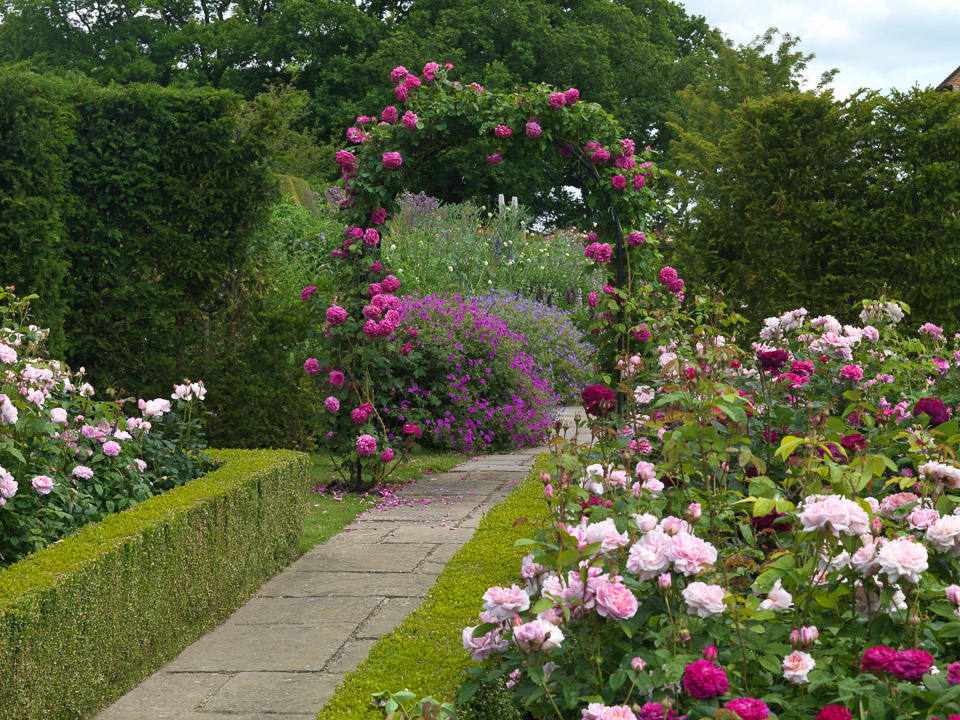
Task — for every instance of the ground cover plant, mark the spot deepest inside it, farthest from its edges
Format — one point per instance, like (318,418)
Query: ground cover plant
(66,459)
(761,532)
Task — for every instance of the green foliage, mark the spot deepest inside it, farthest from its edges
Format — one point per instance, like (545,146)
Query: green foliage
(424,654)
(808,200)
(85,620)
(36,130)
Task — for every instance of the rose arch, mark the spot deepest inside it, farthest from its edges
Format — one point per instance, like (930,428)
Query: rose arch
(362,328)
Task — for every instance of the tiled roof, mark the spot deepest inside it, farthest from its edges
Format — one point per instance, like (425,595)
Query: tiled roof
(952,82)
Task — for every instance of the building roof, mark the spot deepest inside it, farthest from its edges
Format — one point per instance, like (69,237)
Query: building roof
(952,83)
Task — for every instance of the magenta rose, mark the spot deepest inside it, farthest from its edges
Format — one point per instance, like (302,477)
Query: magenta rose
(557,100)
(703,680)
(392,160)
(336,378)
(879,658)
(571,96)
(953,673)
(311,366)
(371,237)
(411,429)
(336,315)
(636,238)
(598,400)
(332,404)
(533,128)
(389,114)
(911,665)
(772,360)
(855,442)
(933,408)
(410,120)
(345,158)
(749,709)
(429,71)
(495,159)
(834,712)
(366,445)
(387,456)
(502,131)
(307,292)
(639,181)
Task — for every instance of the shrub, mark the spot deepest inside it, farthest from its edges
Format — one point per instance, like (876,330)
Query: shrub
(552,339)
(771,531)
(83,621)
(67,460)
(471,376)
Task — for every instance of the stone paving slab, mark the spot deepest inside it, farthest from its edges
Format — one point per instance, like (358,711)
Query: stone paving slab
(283,653)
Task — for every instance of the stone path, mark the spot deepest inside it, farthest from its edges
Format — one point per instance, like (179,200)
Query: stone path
(282,654)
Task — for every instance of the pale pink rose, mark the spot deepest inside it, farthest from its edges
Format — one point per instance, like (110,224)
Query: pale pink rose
(8,486)
(645,522)
(618,479)
(141,465)
(704,600)
(482,647)
(839,514)
(654,486)
(58,415)
(593,711)
(809,635)
(944,535)
(605,533)
(156,407)
(694,511)
(504,603)
(616,602)
(665,581)
(617,712)
(673,525)
(871,333)
(648,556)
(552,587)
(941,471)
(586,595)
(111,448)
(42,484)
(777,598)
(689,554)
(903,558)
(8,355)
(8,411)
(922,518)
(529,568)
(82,472)
(645,470)
(892,502)
(537,635)
(797,665)
(865,558)
(638,664)
(953,594)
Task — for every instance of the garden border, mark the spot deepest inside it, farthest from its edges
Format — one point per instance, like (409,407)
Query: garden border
(84,620)
(425,653)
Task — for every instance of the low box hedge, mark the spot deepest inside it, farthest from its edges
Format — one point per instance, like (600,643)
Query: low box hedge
(425,652)
(86,619)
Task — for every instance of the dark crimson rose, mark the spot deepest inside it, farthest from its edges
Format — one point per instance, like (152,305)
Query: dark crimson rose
(771,436)
(911,665)
(934,408)
(642,334)
(834,712)
(773,360)
(769,522)
(598,400)
(854,441)
(877,658)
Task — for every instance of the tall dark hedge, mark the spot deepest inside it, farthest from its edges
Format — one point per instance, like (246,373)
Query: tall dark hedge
(811,201)
(134,212)
(35,134)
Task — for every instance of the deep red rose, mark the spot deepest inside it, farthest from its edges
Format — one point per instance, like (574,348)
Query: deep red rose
(598,400)
(934,408)
(854,441)
(772,360)
(877,658)
(702,679)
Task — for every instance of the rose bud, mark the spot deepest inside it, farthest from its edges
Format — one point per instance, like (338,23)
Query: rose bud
(710,652)
(795,638)
(809,635)
(665,581)
(694,512)
(548,491)
(638,664)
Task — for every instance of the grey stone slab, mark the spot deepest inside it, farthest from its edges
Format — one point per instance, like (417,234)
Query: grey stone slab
(446,512)
(239,648)
(345,584)
(353,654)
(443,553)
(518,464)
(164,695)
(274,692)
(431,568)
(201,715)
(392,558)
(390,614)
(426,534)
(360,534)
(303,611)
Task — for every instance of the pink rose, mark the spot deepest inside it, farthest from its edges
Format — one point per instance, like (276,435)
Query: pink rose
(336,315)
(851,372)
(398,75)
(307,292)
(635,238)
(332,404)
(311,366)
(639,181)
(336,378)
(482,647)
(689,554)
(389,114)
(366,445)
(409,120)
(537,635)
(533,128)
(617,712)
(911,665)
(704,600)
(371,237)
(571,96)
(557,100)
(703,680)
(616,602)
(111,449)
(429,71)
(903,558)
(619,182)
(392,160)
(494,159)
(43,484)
(502,131)
(387,456)
(504,603)
(796,666)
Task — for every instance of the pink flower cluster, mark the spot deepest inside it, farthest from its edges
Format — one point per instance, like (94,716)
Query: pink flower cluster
(601,252)
(907,665)
(669,277)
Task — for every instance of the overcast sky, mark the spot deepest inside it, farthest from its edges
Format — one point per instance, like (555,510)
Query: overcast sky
(876,44)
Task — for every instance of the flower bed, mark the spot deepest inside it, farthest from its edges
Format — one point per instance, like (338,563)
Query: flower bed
(84,620)
(769,532)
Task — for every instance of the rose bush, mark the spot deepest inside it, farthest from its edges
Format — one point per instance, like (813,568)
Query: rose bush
(761,532)
(67,459)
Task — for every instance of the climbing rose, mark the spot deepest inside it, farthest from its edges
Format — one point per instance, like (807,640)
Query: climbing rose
(703,680)
(366,445)
(412,81)
(911,665)
(411,429)
(749,709)
(639,181)
(497,157)
(311,366)
(332,404)
(428,71)
(619,182)
(307,292)
(934,408)
(345,158)
(387,456)
(402,93)
(629,147)
(336,315)
(409,120)
(43,484)
(336,378)
(378,216)
(390,284)
(571,96)
(371,237)
(392,160)
(502,131)
(557,100)
(398,75)
(635,238)
(389,114)
(533,128)
(600,155)
(624,163)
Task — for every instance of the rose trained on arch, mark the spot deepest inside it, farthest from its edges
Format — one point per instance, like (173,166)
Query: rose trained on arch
(361,333)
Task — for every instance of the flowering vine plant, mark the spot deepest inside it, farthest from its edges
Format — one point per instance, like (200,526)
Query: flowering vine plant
(768,531)
(67,459)
(361,329)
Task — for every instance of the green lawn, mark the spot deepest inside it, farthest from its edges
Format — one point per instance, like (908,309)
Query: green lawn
(328,513)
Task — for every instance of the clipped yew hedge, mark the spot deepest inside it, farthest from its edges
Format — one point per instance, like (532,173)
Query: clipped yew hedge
(86,619)
(425,652)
